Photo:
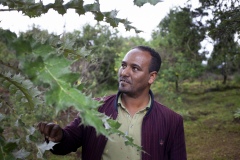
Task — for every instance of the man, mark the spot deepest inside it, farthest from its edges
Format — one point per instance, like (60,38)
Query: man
(154,127)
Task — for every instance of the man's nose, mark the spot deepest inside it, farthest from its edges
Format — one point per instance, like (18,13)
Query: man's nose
(125,71)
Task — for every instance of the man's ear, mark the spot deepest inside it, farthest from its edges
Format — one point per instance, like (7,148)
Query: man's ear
(153,76)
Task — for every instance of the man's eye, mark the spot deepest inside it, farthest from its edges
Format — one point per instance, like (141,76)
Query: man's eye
(123,65)
(135,68)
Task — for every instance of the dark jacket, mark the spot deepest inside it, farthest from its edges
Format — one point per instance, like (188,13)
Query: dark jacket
(162,134)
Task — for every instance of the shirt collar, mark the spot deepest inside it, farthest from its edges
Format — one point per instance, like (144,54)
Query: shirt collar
(119,102)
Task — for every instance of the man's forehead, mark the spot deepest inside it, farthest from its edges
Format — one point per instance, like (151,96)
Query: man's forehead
(136,54)
(137,57)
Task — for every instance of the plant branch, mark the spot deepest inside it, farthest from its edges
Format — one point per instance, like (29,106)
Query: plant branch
(4,10)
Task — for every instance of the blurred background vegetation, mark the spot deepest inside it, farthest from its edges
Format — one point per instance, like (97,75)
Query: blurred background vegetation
(203,87)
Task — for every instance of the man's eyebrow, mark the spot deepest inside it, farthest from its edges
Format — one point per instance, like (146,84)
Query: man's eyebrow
(136,65)
(132,64)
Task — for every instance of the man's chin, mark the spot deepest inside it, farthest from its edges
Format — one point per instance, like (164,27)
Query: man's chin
(123,90)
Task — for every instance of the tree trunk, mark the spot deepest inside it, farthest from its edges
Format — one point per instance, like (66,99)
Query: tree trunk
(176,85)
(224,79)
(224,73)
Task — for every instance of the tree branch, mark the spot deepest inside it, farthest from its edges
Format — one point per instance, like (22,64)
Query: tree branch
(4,10)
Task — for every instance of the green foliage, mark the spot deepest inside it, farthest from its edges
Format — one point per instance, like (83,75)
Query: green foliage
(33,9)
(178,41)
(50,70)
(236,78)
(166,90)
(43,83)
(37,78)
(237,114)
(225,16)
(223,29)
(20,101)
(142,2)
(17,83)
(94,66)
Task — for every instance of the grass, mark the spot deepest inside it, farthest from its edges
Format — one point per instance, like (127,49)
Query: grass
(211,131)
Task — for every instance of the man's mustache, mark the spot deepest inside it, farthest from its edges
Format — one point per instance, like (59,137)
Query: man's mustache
(124,80)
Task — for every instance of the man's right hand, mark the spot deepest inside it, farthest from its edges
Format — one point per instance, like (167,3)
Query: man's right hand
(52,132)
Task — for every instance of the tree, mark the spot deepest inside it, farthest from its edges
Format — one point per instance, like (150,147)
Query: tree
(223,27)
(178,39)
(225,56)
(222,16)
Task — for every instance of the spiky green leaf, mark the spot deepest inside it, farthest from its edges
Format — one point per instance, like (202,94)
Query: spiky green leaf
(142,2)
(43,147)
(23,86)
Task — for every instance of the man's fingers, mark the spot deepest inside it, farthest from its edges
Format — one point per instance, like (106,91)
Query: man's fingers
(48,129)
(56,134)
(45,128)
(41,126)
(51,131)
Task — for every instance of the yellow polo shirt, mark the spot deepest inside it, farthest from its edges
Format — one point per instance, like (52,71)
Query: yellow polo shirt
(115,148)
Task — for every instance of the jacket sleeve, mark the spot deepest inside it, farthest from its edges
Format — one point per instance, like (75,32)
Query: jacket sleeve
(72,138)
(178,150)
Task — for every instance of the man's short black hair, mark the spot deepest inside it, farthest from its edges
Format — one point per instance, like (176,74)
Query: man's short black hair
(156,61)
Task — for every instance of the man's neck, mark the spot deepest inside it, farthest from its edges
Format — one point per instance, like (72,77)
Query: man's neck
(135,104)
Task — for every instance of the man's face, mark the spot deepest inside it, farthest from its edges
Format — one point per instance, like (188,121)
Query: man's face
(133,76)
